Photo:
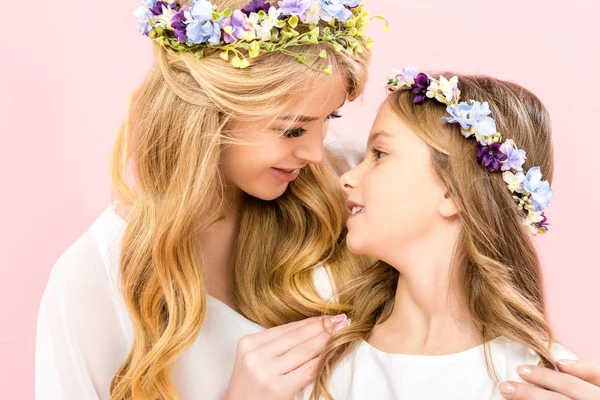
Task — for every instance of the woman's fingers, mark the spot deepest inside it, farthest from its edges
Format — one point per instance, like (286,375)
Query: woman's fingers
(252,342)
(305,351)
(293,338)
(524,391)
(552,385)
(581,369)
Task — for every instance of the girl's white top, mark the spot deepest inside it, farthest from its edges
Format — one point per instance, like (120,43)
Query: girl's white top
(368,373)
(85,332)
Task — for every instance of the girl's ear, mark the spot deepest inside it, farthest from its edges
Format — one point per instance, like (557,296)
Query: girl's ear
(447,206)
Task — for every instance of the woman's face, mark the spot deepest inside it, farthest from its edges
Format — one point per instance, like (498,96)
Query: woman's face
(274,149)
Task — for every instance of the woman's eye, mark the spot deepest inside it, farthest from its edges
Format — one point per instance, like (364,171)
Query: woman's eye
(294,133)
(334,115)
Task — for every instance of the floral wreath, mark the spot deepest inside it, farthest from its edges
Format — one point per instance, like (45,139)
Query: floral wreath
(529,191)
(258,28)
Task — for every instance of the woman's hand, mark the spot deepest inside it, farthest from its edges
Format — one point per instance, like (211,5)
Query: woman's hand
(578,380)
(279,362)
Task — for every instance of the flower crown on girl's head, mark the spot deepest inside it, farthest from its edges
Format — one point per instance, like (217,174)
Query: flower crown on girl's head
(258,28)
(495,153)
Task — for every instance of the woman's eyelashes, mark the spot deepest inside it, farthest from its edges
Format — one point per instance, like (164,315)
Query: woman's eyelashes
(297,132)
(294,133)
(334,115)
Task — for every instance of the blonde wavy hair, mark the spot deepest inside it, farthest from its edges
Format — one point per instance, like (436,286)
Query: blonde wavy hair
(165,171)
(499,266)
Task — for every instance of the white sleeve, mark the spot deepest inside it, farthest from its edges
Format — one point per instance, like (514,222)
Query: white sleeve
(344,152)
(81,338)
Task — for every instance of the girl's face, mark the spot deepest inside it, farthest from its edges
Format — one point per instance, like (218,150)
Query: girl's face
(395,195)
(275,149)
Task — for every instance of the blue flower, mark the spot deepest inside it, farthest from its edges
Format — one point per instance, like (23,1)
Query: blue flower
(202,31)
(473,118)
(202,10)
(540,191)
(142,14)
(339,8)
(515,158)
(295,7)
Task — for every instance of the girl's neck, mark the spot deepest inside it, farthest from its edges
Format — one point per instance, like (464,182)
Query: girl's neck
(431,314)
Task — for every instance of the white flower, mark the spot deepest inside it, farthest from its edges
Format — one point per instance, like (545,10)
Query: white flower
(314,13)
(514,181)
(263,29)
(443,90)
(533,218)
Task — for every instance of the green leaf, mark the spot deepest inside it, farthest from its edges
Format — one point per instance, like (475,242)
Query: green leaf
(199,53)
(301,59)
(236,62)
(245,63)
(254,50)
(328,70)
(337,47)
(225,55)
(293,22)
(323,54)
(227,12)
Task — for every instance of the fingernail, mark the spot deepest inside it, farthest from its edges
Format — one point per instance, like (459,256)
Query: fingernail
(524,371)
(506,388)
(566,362)
(342,325)
(339,318)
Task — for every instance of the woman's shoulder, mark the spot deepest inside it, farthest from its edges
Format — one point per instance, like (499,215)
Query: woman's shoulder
(90,265)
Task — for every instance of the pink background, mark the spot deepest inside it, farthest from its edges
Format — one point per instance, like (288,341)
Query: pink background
(68,69)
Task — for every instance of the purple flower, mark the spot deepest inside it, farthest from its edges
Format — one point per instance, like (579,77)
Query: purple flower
(539,190)
(422,82)
(157,9)
(179,25)
(255,6)
(235,27)
(515,158)
(542,226)
(295,7)
(491,156)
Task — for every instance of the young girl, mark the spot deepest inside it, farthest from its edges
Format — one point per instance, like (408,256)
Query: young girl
(455,184)
(224,214)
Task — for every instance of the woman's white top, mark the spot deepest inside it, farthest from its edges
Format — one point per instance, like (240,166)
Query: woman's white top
(368,373)
(84,330)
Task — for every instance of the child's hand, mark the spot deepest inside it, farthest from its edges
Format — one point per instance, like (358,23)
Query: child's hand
(579,380)
(279,362)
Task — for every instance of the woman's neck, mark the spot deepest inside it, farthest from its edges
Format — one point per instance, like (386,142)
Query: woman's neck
(217,246)
(431,314)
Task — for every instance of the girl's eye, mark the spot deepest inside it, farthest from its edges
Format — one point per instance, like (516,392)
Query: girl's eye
(377,154)
(334,115)
(294,133)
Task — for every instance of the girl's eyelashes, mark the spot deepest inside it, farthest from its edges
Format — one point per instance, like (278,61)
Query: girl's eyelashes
(294,133)
(378,154)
